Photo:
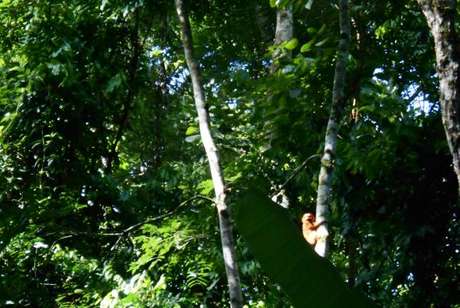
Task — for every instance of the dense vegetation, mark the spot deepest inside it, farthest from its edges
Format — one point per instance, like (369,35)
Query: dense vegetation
(105,191)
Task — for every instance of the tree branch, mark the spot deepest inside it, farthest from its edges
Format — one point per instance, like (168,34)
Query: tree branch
(131,228)
(294,174)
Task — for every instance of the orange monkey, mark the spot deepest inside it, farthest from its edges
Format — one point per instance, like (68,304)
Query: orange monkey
(309,227)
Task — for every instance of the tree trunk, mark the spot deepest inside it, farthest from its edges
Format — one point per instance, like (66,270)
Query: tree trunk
(226,234)
(284,32)
(440,16)
(327,160)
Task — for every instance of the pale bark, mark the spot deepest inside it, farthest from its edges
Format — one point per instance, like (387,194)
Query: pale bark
(327,160)
(226,233)
(284,25)
(284,32)
(281,198)
(440,15)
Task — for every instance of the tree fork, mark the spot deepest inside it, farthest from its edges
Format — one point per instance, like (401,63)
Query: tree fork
(226,232)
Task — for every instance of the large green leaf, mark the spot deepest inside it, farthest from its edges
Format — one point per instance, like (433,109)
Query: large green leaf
(309,280)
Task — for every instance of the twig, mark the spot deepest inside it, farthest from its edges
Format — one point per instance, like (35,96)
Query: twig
(131,228)
(294,174)
(128,230)
(415,94)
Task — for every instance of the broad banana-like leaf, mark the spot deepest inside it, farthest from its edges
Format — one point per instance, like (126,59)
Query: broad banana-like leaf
(308,279)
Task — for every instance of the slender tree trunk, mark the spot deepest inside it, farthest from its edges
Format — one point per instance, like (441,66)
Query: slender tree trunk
(284,32)
(440,15)
(284,25)
(226,234)
(327,160)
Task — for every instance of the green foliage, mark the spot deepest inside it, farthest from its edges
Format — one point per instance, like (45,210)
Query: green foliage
(100,153)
